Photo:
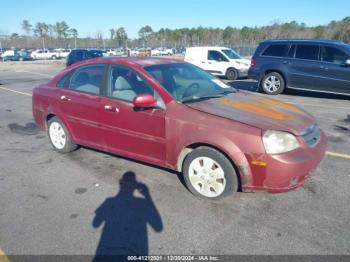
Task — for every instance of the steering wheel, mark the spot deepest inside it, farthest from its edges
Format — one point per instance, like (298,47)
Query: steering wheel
(190,90)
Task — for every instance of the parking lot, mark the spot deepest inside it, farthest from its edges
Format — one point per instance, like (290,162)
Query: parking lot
(53,203)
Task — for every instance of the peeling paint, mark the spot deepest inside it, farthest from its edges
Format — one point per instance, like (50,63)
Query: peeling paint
(256,108)
(284,105)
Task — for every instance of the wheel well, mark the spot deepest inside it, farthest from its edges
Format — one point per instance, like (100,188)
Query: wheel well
(231,68)
(48,117)
(276,71)
(185,151)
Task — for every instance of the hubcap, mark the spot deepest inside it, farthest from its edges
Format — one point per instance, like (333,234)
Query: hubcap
(57,135)
(207,177)
(272,84)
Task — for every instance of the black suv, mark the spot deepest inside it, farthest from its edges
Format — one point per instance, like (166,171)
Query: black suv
(306,64)
(77,55)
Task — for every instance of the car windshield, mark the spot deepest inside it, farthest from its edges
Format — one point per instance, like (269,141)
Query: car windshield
(188,83)
(231,54)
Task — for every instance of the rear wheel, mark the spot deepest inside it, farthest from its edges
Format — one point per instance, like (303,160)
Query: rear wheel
(273,83)
(59,136)
(53,57)
(231,74)
(209,174)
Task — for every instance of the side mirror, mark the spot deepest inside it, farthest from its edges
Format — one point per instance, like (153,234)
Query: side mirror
(144,101)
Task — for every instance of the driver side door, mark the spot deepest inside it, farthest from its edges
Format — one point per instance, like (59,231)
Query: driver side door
(134,132)
(217,63)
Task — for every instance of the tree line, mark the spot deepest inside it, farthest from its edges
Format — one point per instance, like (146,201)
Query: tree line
(60,34)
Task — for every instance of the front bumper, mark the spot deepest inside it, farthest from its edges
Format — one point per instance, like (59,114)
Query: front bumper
(285,172)
(243,72)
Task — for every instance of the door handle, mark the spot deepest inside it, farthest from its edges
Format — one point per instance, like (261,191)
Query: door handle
(286,62)
(323,67)
(110,108)
(65,98)
(203,62)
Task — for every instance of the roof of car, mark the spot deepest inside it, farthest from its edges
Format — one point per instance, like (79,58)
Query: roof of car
(138,61)
(303,40)
(209,47)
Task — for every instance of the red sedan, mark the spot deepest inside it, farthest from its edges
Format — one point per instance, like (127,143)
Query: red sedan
(175,115)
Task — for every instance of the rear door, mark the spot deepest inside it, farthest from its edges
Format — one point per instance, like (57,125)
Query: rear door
(78,101)
(134,132)
(304,69)
(335,75)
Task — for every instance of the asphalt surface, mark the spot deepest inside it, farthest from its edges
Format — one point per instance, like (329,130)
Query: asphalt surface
(48,200)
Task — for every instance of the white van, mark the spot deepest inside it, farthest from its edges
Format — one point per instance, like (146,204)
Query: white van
(220,61)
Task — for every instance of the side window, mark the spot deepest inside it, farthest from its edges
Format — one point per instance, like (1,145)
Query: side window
(278,50)
(64,81)
(79,54)
(333,55)
(216,56)
(125,84)
(88,79)
(309,52)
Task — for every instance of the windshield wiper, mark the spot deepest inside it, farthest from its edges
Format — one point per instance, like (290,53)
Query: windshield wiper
(199,98)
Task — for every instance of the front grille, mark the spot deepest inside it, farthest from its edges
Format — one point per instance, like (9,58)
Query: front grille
(312,135)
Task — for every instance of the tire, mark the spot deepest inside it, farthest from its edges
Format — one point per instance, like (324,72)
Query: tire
(21,59)
(207,182)
(272,84)
(56,131)
(53,57)
(231,74)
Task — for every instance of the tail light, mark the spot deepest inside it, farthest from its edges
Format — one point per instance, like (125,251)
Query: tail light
(253,62)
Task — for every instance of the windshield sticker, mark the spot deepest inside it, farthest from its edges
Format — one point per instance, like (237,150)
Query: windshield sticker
(220,83)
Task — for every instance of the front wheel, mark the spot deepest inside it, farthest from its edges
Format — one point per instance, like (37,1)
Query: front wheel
(209,174)
(231,74)
(59,136)
(273,84)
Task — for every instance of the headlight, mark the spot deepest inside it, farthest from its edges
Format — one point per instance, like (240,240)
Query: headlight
(277,142)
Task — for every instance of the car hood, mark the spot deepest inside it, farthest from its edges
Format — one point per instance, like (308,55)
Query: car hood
(243,61)
(258,111)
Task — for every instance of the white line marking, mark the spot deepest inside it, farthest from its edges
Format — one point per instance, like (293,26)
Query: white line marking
(14,91)
(35,73)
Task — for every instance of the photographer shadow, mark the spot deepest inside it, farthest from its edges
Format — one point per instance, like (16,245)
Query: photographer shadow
(125,218)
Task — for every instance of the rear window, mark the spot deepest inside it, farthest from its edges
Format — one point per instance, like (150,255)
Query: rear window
(95,53)
(309,52)
(278,50)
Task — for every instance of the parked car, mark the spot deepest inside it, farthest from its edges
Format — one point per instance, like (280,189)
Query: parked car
(219,61)
(166,51)
(110,52)
(45,54)
(15,55)
(63,53)
(155,52)
(77,55)
(173,114)
(303,64)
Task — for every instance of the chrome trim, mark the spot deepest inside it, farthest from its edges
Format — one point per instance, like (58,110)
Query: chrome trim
(319,91)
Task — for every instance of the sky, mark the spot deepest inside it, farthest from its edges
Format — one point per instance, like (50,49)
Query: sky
(89,17)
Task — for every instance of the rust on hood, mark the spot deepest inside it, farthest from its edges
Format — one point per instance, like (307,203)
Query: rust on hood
(272,102)
(255,107)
